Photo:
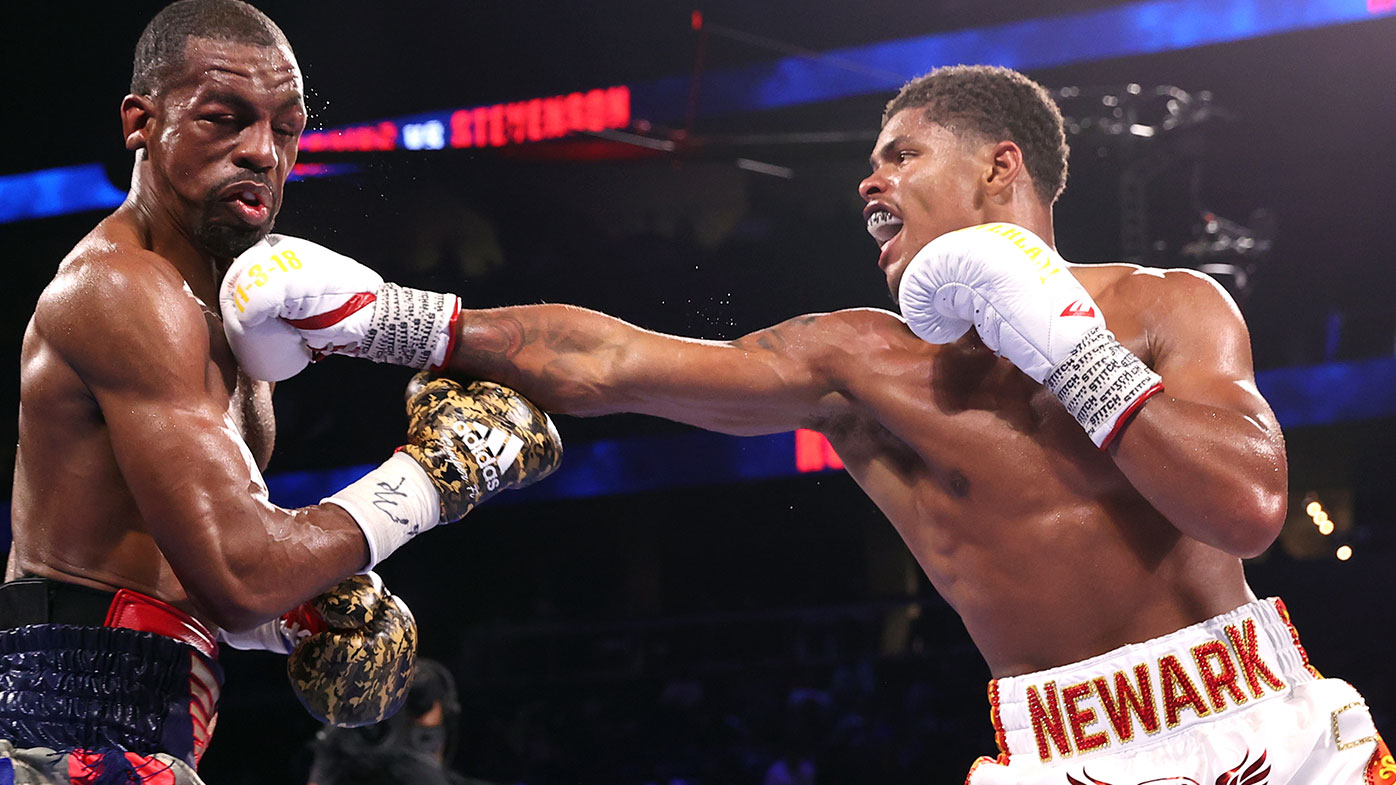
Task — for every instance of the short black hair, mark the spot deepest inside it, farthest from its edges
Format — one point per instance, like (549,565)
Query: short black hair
(998,104)
(160,51)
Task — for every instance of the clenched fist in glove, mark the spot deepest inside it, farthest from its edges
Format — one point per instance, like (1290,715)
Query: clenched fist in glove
(1013,288)
(286,301)
(465,443)
(352,650)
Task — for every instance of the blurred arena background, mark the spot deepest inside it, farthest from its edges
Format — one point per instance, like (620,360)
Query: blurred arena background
(677,607)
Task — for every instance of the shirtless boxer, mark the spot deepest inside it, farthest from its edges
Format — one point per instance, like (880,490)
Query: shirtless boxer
(1082,499)
(142,531)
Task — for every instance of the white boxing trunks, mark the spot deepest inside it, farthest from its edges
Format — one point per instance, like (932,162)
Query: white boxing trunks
(1229,701)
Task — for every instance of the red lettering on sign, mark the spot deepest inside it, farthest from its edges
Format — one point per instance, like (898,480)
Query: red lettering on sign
(596,110)
(497,125)
(499,135)
(533,120)
(575,107)
(516,118)
(359,138)
(554,118)
(460,129)
(618,106)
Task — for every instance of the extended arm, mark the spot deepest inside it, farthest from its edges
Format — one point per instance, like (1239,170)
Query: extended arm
(567,359)
(1207,452)
(582,362)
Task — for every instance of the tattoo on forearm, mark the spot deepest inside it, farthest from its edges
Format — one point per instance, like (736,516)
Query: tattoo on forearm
(487,341)
(565,340)
(773,339)
(548,357)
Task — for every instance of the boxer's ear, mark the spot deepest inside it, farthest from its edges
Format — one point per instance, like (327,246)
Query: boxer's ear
(137,114)
(1005,167)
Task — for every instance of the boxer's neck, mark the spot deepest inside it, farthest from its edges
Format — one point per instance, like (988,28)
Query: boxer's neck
(1022,207)
(164,233)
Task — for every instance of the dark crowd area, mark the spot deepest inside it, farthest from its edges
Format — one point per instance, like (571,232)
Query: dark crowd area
(766,633)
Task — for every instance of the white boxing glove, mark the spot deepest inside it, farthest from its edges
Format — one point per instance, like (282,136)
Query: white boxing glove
(287,301)
(1015,290)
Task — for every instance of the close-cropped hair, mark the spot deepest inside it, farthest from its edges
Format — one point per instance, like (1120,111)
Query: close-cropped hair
(160,51)
(996,104)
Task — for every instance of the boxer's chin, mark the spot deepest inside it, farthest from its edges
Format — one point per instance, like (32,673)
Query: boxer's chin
(229,241)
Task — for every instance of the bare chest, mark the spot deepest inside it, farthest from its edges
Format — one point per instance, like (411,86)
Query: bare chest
(250,408)
(249,405)
(966,434)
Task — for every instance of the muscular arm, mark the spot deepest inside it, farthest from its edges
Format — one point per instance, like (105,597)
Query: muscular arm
(1206,452)
(581,362)
(141,348)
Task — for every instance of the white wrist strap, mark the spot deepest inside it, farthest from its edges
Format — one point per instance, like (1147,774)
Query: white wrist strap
(392,504)
(1101,383)
(410,327)
(271,636)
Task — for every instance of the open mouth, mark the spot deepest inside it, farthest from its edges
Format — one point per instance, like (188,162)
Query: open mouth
(883,226)
(252,205)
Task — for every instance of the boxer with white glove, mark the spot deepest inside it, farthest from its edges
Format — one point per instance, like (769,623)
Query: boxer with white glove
(1013,288)
(287,301)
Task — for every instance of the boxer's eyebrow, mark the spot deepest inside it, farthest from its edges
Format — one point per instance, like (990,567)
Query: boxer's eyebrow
(886,151)
(238,101)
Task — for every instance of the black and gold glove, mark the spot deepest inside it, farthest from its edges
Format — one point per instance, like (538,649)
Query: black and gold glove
(465,443)
(356,669)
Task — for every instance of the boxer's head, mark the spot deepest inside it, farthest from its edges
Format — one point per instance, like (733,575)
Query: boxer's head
(215,114)
(960,146)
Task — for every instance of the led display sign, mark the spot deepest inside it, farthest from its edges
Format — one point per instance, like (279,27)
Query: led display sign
(496,125)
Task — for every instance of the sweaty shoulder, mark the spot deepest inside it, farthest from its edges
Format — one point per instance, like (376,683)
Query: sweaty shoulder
(863,326)
(1160,306)
(111,300)
(849,350)
(845,336)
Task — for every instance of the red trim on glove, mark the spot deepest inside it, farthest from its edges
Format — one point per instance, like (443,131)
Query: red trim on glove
(322,320)
(1128,413)
(305,617)
(451,338)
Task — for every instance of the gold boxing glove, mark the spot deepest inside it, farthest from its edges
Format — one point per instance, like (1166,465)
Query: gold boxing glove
(355,667)
(465,443)
(477,440)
